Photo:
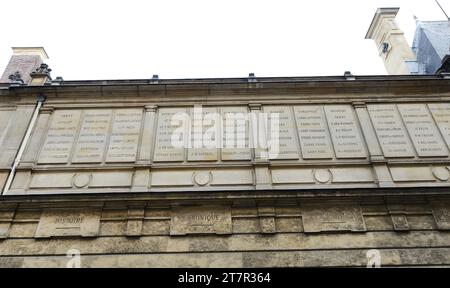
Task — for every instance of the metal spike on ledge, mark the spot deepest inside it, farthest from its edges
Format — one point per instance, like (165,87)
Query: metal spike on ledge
(155,79)
(58,81)
(252,77)
(349,76)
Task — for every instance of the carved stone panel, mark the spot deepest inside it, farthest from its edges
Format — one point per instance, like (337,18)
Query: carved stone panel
(6,218)
(338,218)
(286,147)
(201,220)
(60,223)
(60,138)
(235,143)
(5,117)
(205,140)
(4,229)
(135,221)
(441,114)
(126,130)
(313,132)
(267,224)
(170,121)
(442,217)
(412,173)
(422,130)
(12,137)
(90,146)
(390,131)
(5,123)
(400,222)
(346,137)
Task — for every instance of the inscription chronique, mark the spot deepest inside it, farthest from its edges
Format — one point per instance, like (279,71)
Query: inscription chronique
(202,219)
(193,220)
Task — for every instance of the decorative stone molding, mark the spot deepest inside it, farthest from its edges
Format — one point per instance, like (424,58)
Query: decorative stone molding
(202,178)
(81,180)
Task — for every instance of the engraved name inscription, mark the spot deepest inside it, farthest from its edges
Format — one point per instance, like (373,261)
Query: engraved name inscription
(345,134)
(313,132)
(390,131)
(61,135)
(91,142)
(125,135)
(236,134)
(168,125)
(285,130)
(204,134)
(441,114)
(422,130)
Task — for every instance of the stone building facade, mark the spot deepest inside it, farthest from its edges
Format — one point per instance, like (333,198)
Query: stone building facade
(361,175)
(429,53)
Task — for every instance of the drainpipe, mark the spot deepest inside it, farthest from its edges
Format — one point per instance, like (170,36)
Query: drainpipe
(40,100)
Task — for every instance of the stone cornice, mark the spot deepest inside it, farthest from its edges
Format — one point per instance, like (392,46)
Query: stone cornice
(363,88)
(198,197)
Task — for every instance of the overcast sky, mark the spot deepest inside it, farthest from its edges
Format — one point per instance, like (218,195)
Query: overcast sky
(112,39)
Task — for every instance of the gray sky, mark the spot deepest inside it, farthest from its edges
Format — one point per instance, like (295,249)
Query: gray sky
(93,39)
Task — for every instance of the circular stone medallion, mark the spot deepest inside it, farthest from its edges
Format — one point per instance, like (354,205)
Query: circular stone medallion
(202,178)
(322,175)
(440,173)
(81,180)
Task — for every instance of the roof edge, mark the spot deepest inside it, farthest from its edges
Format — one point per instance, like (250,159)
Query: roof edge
(377,16)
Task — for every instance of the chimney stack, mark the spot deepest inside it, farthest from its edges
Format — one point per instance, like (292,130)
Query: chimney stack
(391,42)
(23,62)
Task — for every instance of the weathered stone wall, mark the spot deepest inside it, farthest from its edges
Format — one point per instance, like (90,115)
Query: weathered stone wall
(124,233)
(15,116)
(363,165)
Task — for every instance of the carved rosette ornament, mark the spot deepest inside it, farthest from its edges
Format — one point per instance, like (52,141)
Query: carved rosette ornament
(440,173)
(202,178)
(322,175)
(81,180)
